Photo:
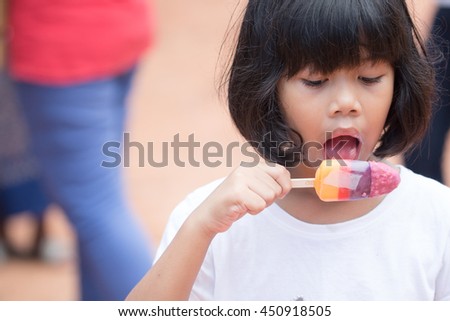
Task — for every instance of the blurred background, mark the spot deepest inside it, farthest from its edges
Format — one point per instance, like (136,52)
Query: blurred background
(175,92)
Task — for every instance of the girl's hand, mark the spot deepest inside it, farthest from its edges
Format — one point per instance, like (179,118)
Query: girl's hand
(245,190)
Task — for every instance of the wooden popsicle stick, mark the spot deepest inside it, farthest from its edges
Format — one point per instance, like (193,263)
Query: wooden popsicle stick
(302,182)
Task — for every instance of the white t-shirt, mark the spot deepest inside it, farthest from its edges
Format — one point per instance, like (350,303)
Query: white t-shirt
(398,251)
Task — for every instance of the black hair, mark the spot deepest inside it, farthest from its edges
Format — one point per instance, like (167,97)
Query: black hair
(280,37)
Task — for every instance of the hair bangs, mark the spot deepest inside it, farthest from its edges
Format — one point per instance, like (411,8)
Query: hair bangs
(328,35)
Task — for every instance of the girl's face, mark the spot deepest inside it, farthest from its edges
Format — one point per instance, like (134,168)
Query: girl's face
(339,115)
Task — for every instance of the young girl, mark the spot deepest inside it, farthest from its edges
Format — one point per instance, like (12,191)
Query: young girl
(350,75)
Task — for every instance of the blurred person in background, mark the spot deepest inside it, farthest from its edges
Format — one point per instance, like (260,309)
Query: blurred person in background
(427,159)
(20,190)
(73,63)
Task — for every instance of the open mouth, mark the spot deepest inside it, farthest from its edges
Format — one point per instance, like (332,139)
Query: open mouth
(342,147)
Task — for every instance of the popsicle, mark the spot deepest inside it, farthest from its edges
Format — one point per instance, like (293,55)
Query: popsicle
(345,180)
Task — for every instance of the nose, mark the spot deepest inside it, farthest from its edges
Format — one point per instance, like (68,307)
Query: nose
(345,101)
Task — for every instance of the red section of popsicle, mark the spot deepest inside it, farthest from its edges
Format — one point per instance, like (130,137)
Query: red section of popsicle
(384,179)
(343,180)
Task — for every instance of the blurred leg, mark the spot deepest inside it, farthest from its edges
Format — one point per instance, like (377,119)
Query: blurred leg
(69,126)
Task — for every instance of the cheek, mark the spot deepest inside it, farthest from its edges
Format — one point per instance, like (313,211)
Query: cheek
(384,106)
(304,121)
(302,111)
(379,107)
(376,120)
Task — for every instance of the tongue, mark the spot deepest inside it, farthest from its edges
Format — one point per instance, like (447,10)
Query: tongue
(342,147)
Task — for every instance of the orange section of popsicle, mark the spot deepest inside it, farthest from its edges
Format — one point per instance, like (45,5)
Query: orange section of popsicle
(326,191)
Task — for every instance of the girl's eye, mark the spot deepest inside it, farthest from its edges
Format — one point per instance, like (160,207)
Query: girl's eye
(370,80)
(313,83)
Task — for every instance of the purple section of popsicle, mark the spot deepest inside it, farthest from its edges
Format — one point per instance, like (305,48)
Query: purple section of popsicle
(362,190)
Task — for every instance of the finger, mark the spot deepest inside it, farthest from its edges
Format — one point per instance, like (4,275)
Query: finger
(252,202)
(266,193)
(266,187)
(280,175)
